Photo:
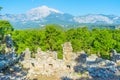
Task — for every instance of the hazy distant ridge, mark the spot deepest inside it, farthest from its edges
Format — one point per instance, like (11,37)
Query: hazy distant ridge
(44,15)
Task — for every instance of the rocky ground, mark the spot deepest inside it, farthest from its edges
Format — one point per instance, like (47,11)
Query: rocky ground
(45,67)
(13,73)
(98,69)
(103,70)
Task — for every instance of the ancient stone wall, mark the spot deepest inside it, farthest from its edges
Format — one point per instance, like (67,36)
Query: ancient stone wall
(67,52)
(46,63)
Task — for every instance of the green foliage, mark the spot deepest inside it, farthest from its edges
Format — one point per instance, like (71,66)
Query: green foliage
(51,37)
(54,37)
(5,28)
(94,41)
(60,54)
(76,44)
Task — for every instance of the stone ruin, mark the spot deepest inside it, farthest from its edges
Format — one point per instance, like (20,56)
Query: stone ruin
(99,68)
(47,63)
(9,43)
(8,58)
(115,56)
(67,51)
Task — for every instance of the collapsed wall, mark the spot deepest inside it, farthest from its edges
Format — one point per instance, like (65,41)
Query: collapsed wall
(47,63)
(67,51)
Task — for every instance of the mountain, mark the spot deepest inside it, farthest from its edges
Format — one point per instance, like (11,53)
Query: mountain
(31,15)
(43,15)
(98,18)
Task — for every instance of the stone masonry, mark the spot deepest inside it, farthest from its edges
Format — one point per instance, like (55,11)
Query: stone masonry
(46,63)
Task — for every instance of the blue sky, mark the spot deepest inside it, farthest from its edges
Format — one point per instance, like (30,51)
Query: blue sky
(74,7)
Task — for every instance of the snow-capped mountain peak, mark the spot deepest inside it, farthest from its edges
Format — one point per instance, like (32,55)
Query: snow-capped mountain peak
(44,15)
(41,12)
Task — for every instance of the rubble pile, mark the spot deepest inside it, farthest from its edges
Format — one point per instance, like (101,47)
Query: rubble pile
(99,68)
(13,73)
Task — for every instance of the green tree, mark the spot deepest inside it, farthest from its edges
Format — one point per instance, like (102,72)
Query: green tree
(54,37)
(51,37)
(5,28)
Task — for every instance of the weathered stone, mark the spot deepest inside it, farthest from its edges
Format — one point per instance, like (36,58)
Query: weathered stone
(67,51)
(115,56)
(27,54)
(98,60)
(92,57)
(8,60)
(39,50)
(47,64)
(101,72)
(81,58)
(9,43)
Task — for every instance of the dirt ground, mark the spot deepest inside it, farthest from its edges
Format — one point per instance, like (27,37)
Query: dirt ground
(44,77)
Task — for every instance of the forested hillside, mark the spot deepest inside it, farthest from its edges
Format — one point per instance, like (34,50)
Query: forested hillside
(51,37)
